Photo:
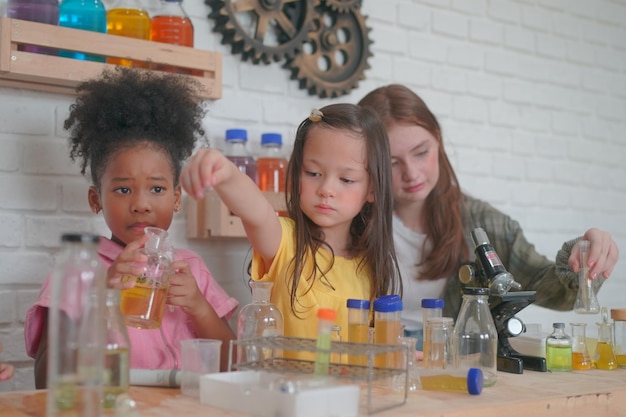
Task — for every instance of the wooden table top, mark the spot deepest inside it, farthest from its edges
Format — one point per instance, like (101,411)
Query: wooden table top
(592,393)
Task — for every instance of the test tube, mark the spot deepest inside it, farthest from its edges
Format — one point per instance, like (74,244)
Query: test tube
(358,327)
(325,317)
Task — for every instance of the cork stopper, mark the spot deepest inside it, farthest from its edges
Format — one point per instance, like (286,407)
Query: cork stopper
(618,314)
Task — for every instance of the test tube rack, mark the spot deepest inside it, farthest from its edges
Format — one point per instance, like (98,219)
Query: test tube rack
(284,354)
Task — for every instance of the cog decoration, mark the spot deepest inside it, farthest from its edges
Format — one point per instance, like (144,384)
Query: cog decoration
(325,45)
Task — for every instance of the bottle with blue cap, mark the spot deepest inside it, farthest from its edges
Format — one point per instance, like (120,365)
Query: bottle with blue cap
(271,164)
(358,327)
(387,329)
(469,381)
(237,152)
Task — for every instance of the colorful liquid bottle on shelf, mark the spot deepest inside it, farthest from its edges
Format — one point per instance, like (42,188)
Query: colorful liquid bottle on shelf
(84,15)
(42,11)
(131,20)
(271,165)
(237,152)
(171,25)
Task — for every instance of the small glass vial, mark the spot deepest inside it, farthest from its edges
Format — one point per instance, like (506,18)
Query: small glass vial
(117,351)
(358,327)
(559,349)
(619,331)
(335,337)
(475,335)
(580,355)
(325,317)
(586,301)
(387,329)
(604,357)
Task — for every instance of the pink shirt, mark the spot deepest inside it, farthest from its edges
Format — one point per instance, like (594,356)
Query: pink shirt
(150,349)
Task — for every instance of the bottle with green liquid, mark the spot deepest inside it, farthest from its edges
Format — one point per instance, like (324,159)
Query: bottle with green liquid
(559,349)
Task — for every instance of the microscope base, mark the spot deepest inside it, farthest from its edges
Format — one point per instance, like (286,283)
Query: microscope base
(516,363)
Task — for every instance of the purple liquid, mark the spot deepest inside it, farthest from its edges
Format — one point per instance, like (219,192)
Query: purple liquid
(247,165)
(42,11)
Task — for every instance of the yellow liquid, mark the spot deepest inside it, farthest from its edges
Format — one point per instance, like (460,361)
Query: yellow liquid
(621,360)
(358,333)
(444,383)
(387,332)
(143,306)
(605,356)
(580,362)
(131,23)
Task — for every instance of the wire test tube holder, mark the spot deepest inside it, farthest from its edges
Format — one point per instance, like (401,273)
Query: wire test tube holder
(274,360)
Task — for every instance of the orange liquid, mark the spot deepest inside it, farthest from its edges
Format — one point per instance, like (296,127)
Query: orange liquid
(387,331)
(605,356)
(271,175)
(131,23)
(175,30)
(358,333)
(143,306)
(580,362)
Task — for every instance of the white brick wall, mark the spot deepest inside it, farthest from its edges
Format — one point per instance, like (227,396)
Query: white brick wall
(531,95)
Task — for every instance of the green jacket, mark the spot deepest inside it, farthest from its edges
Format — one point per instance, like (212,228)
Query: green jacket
(555,282)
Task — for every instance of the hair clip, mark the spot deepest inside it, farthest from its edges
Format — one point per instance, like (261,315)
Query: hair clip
(316,115)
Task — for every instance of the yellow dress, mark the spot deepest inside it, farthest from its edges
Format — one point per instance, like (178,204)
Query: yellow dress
(347,279)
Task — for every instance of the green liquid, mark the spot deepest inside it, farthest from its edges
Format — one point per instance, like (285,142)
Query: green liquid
(559,358)
(323,358)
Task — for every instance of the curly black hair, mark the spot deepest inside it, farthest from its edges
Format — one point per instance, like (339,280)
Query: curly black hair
(125,107)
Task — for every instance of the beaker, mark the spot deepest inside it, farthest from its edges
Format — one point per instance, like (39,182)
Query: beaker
(586,301)
(580,355)
(408,358)
(604,357)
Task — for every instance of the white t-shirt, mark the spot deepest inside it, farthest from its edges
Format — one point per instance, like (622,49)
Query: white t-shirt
(409,246)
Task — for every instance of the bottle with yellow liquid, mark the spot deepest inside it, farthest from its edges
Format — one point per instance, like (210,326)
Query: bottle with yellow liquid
(604,358)
(358,327)
(580,356)
(387,329)
(455,380)
(619,332)
(130,19)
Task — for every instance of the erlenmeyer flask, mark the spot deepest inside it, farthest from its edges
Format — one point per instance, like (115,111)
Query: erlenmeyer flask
(580,355)
(586,301)
(604,358)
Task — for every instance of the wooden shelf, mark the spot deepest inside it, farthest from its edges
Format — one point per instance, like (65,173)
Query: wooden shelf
(21,69)
(209,217)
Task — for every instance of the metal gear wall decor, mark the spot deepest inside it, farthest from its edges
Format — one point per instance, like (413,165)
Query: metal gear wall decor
(324,43)
(263,31)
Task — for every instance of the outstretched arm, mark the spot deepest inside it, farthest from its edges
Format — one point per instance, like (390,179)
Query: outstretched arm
(209,168)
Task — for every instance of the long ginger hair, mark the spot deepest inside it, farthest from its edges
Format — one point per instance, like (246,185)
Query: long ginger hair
(442,209)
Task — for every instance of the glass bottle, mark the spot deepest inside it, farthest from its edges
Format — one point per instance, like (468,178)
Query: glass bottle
(271,164)
(586,300)
(76,329)
(325,318)
(558,349)
(260,318)
(580,355)
(117,353)
(619,332)
(438,346)
(130,19)
(42,11)
(604,357)
(387,329)
(236,151)
(84,15)
(335,336)
(475,335)
(171,25)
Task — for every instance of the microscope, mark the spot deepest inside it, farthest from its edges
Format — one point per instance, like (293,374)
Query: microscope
(505,301)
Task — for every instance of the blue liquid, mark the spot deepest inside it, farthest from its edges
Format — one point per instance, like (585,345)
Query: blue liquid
(42,11)
(84,15)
